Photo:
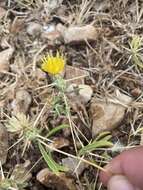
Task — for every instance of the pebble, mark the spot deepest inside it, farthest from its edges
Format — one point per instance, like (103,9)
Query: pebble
(53,181)
(21,102)
(74,165)
(107,113)
(34,29)
(77,34)
(5,57)
(75,75)
(82,93)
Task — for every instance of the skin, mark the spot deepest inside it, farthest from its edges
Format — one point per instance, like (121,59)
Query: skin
(128,164)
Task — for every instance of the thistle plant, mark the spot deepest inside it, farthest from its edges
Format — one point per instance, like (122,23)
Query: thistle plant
(55,65)
(12,184)
(135,48)
(8,184)
(18,178)
(20,124)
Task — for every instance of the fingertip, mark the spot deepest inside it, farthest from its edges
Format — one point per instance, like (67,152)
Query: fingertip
(128,164)
(113,168)
(105,175)
(119,182)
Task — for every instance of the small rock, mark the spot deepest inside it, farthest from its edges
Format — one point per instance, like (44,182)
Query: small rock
(76,34)
(136,92)
(75,75)
(51,5)
(3,144)
(107,113)
(34,29)
(72,89)
(51,33)
(59,142)
(61,28)
(5,57)
(59,182)
(74,165)
(21,102)
(2,12)
(85,92)
(102,6)
(82,92)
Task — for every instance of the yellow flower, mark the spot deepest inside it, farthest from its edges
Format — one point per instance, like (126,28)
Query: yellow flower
(53,65)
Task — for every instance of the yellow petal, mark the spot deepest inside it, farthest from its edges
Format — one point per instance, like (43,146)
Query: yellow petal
(53,65)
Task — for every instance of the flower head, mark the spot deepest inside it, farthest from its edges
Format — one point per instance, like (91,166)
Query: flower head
(53,65)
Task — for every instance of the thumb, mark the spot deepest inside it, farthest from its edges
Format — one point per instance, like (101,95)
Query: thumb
(129,164)
(119,182)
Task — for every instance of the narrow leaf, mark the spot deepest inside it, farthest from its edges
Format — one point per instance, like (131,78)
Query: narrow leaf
(56,129)
(102,135)
(48,160)
(94,146)
(55,167)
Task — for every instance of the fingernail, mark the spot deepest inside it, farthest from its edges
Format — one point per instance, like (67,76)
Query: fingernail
(119,182)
